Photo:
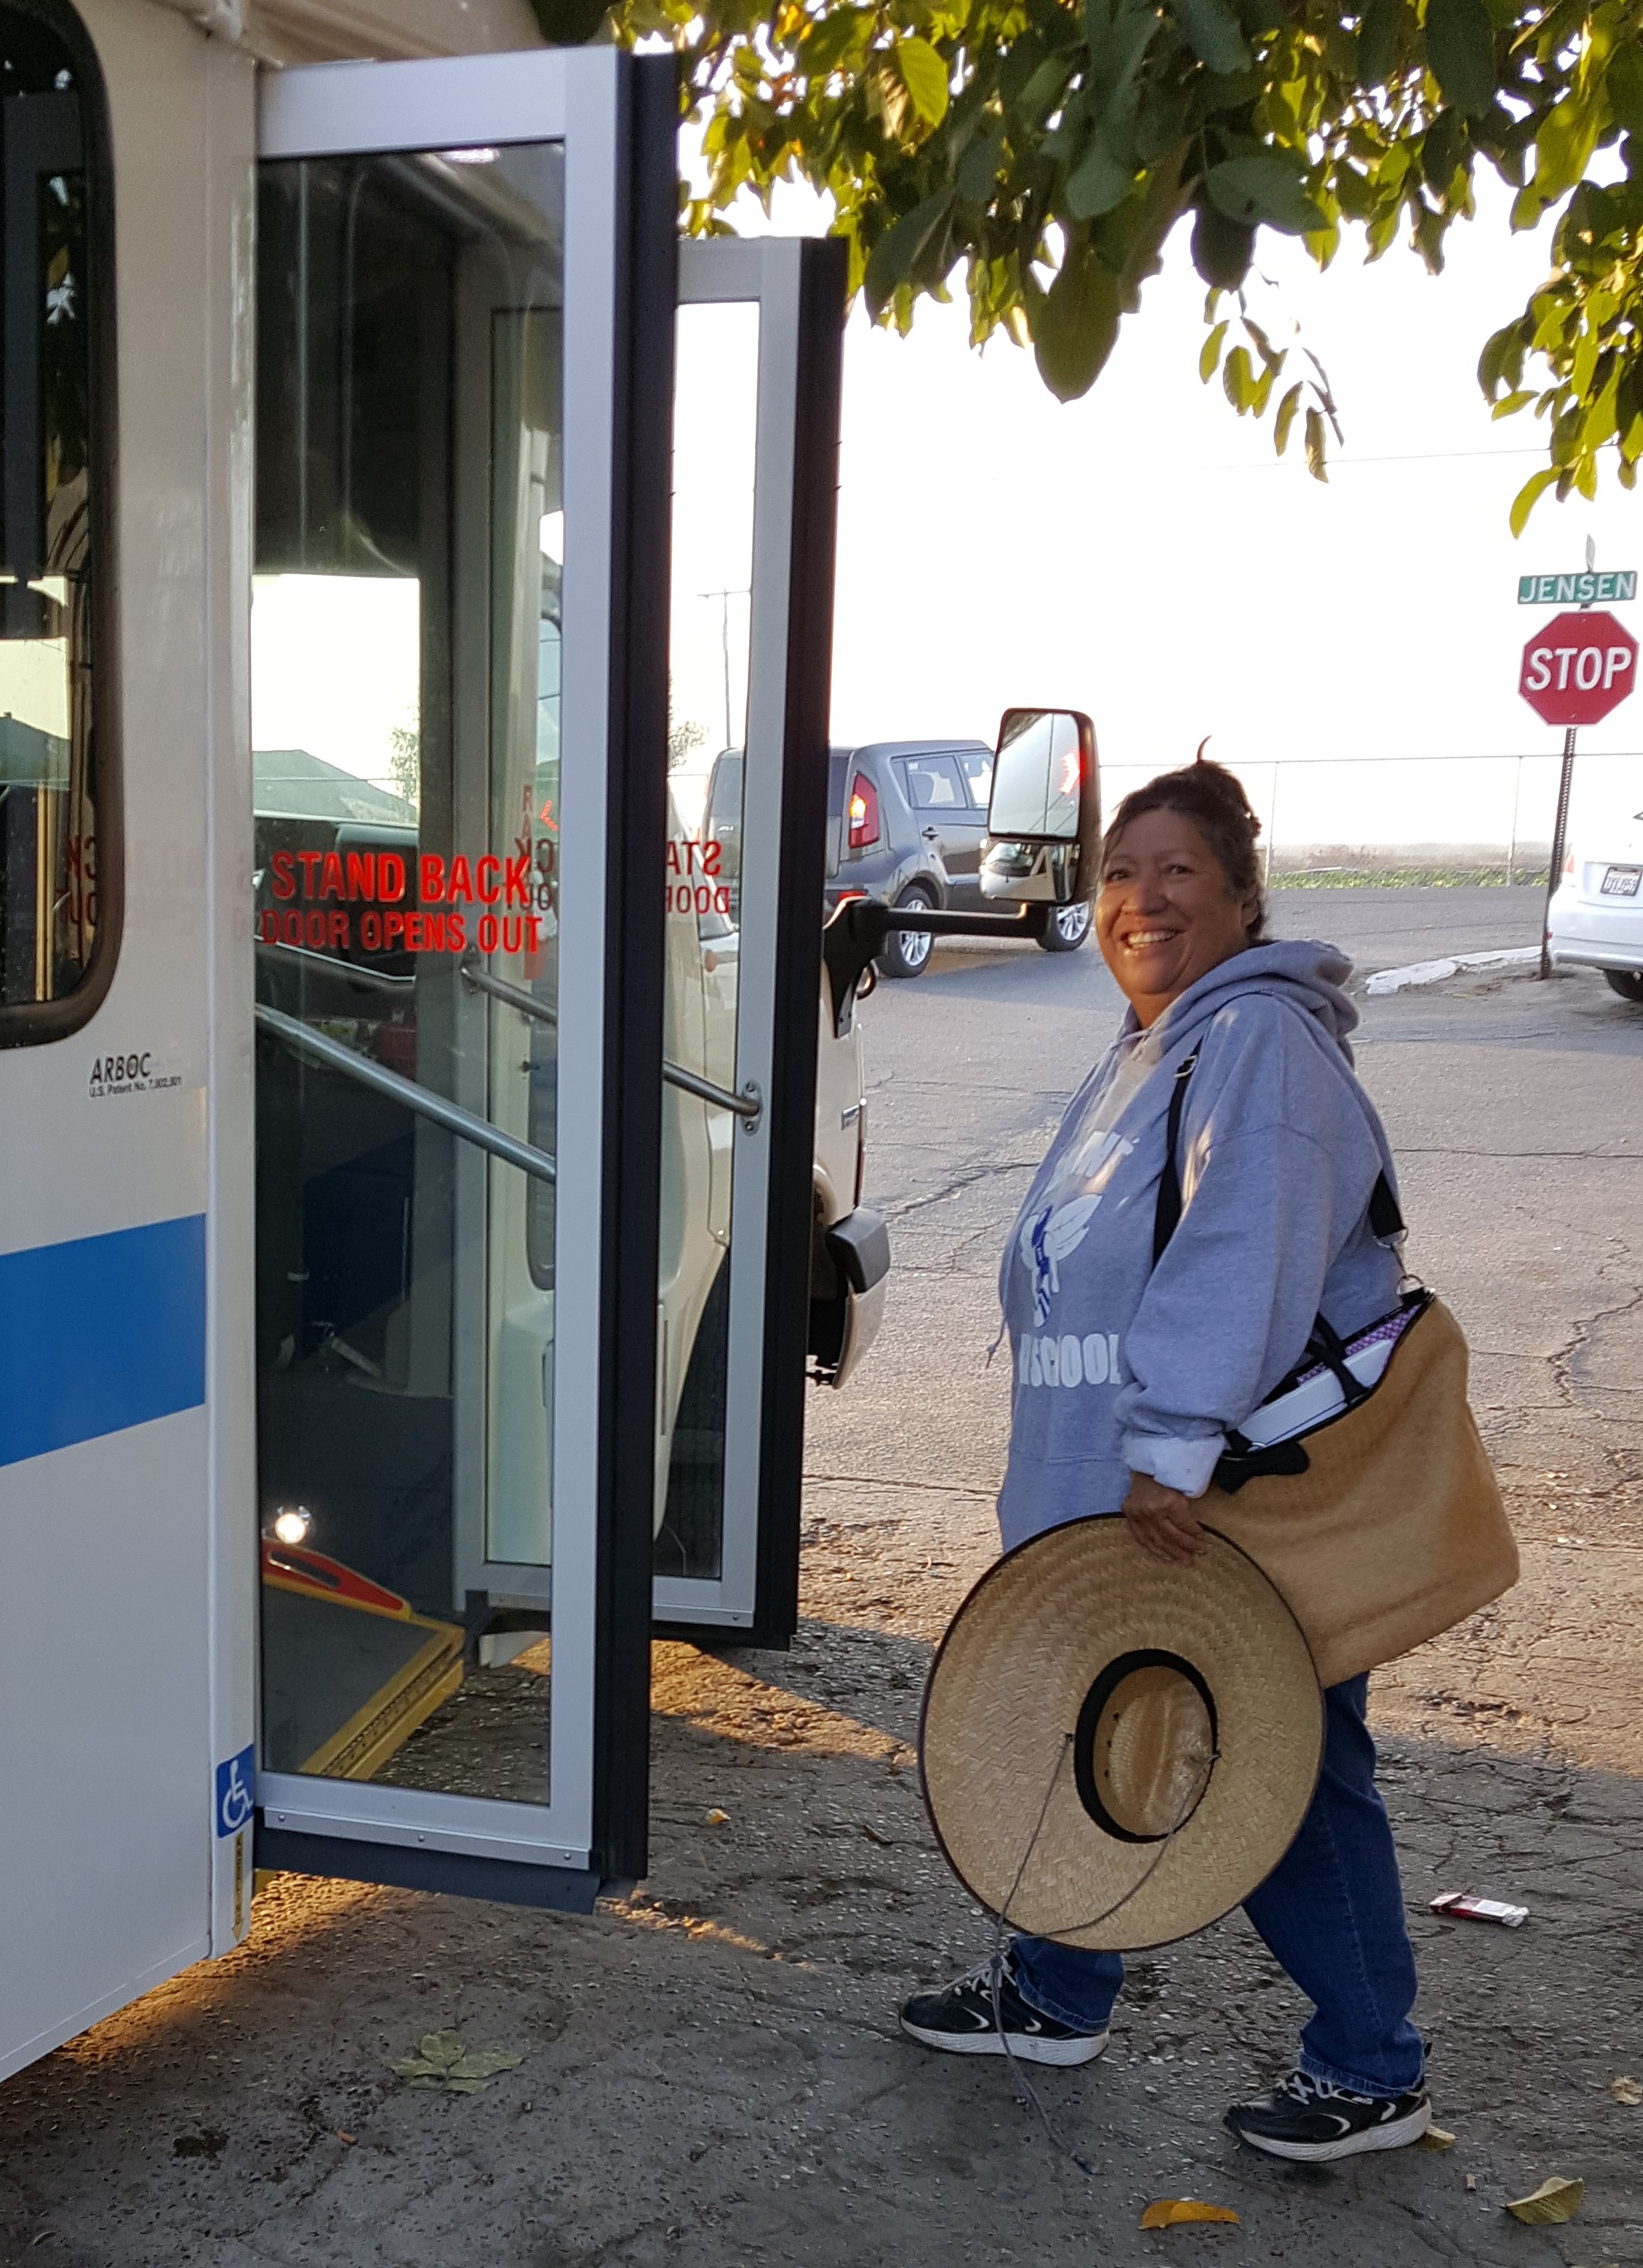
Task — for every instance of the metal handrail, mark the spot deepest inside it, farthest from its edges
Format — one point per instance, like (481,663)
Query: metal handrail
(324,964)
(466,1124)
(478,979)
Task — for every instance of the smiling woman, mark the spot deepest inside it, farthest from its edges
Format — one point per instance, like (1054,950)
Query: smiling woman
(1206,1208)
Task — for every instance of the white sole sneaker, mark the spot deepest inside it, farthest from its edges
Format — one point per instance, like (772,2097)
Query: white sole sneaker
(1025,2047)
(1393,2136)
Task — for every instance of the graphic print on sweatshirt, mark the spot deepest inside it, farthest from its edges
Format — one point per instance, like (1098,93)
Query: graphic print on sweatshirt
(1058,1223)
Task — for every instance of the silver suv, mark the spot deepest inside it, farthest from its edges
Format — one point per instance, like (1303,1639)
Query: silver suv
(907,825)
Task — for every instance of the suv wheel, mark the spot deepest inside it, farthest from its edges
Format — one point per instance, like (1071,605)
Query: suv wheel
(907,951)
(1628,983)
(1069,926)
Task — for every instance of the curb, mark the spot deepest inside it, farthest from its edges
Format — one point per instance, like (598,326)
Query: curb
(1433,972)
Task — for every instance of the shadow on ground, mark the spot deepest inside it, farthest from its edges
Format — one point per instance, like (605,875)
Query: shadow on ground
(713,2072)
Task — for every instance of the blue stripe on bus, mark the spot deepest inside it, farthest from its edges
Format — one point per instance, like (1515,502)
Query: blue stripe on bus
(101,1334)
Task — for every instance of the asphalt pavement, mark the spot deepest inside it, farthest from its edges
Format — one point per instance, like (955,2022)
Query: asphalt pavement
(712,2070)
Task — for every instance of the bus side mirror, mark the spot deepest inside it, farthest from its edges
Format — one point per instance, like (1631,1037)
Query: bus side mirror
(1044,811)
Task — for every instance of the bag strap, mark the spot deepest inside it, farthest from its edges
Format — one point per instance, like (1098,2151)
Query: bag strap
(1386,1218)
(1166,1215)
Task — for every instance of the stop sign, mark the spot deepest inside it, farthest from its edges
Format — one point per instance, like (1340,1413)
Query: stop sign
(1578,669)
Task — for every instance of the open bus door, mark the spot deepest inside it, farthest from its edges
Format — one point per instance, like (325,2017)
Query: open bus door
(534,1133)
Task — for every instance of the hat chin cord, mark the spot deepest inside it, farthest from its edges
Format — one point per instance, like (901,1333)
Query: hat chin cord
(1025,2092)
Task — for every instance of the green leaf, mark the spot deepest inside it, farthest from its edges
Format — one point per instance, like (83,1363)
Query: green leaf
(1100,183)
(1510,404)
(924,75)
(898,251)
(1075,324)
(830,39)
(1622,83)
(1440,151)
(1461,53)
(978,169)
(1238,378)
(1221,249)
(1263,187)
(1528,495)
(1377,40)
(466,2085)
(425,2084)
(1115,64)
(1501,359)
(1212,30)
(442,2049)
(1286,417)
(413,2067)
(1271,355)
(1316,445)
(1209,357)
(1564,142)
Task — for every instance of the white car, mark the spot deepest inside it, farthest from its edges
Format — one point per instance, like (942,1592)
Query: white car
(1596,918)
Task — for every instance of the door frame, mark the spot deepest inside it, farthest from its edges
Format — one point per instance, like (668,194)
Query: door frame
(616,116)
(799,287)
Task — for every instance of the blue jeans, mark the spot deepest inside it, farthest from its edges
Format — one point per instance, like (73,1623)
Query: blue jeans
(1331,1911)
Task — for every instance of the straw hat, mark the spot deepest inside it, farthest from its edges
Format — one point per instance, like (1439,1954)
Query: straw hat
(1116,1752)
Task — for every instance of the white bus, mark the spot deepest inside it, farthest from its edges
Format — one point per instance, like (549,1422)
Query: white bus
(420,1206)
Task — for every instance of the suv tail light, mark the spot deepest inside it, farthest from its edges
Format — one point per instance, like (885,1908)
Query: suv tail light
(864,813)
(1569,867)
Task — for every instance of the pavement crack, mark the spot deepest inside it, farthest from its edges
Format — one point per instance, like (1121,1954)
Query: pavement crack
(898,1210)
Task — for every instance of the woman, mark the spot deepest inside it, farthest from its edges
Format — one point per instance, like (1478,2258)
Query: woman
(1280,1150)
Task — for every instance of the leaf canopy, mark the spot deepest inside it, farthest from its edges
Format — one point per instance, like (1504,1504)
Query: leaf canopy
(1046,147)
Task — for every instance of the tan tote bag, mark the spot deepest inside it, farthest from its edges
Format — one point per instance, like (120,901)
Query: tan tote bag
(1388,1526)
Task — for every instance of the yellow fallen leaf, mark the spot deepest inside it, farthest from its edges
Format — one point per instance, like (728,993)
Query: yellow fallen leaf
(1625,2090)
(718,1819)
(1555,2200)
(1167,2212)
(1436,2137)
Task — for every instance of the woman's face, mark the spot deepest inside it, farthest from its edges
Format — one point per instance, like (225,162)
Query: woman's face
(1165,914)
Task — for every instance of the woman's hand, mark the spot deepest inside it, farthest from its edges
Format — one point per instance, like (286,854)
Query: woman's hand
(1161,1521)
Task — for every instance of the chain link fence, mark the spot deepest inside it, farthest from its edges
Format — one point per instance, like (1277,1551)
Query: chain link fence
(1338,821)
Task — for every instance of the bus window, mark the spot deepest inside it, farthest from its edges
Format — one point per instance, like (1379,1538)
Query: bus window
(58,860)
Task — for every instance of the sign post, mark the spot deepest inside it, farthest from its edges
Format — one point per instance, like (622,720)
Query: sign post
(1573,673)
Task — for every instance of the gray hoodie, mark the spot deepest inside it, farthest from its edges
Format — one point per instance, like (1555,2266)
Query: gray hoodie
(1121,1368)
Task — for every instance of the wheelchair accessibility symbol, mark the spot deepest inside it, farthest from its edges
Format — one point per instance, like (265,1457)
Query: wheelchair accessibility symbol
(236,1792)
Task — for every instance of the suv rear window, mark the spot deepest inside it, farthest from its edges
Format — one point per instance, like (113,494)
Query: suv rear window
(978,768)
(934,783)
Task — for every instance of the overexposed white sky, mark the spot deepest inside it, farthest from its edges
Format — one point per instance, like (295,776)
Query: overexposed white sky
(1143,553)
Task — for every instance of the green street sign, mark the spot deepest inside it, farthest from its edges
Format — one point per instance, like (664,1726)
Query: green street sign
(1576,590)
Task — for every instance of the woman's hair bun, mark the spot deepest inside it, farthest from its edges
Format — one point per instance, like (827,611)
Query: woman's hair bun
(1214,780)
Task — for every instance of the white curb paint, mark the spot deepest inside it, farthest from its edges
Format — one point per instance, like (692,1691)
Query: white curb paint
(1433,972)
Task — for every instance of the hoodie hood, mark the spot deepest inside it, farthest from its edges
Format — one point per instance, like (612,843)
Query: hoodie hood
(1303,971)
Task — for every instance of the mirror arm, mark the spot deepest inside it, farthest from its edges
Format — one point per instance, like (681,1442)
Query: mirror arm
(859,928)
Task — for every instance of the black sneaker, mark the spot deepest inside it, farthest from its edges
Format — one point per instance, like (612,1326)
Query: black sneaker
(1313,2119)
(960,2020)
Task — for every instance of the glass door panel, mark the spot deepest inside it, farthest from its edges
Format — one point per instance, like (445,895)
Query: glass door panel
(716,416)
(755,475)
(405,763)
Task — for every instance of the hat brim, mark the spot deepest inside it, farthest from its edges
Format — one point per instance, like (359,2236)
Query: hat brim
(1001,1716)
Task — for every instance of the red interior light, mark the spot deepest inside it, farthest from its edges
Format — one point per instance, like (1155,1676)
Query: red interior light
(864,813)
